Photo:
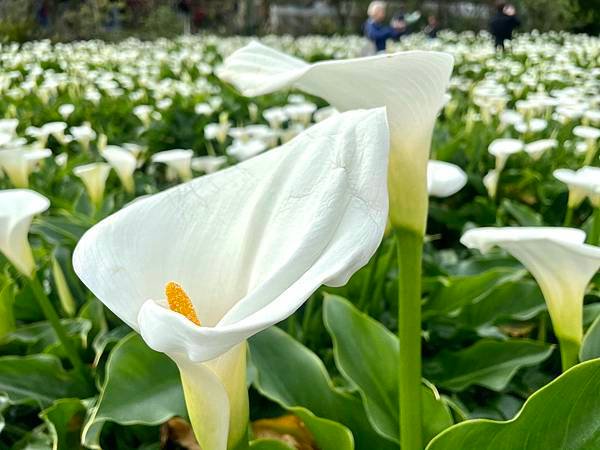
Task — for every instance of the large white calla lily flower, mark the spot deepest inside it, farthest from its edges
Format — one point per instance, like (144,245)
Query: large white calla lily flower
(17,208)
(444,179)
(561,264)
(411,85)
(124,163)
(94,176)
(246,246)
(18,163)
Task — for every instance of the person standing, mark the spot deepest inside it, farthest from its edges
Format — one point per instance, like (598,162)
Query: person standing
(376,31)
(503,23)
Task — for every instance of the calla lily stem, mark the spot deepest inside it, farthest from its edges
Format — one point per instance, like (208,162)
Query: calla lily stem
(52,317)
(569,353)
(410,251)
(568,216)
(594,238)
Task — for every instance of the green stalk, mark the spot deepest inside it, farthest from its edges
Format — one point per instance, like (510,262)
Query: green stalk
(410,250)
(367,287)
(594,237)
(569,353)
(569,216)
(53,318)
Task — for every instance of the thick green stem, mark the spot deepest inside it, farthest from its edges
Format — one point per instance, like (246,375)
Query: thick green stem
(53,318)
(410,250)
(594,237)
(569,353)
(569,216)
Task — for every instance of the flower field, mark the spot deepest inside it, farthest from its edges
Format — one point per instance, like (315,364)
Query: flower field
(223,244)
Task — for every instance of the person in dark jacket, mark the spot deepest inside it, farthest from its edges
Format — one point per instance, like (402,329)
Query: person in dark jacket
(503,23)
(379,33)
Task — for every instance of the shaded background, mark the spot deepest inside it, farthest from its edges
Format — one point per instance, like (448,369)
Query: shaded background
(65,20)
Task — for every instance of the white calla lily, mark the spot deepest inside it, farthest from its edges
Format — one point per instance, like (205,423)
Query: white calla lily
(83,134)
(178,160)
(581,183)
(411,85)
(502,149)
(17,209)
(94,176)
(249,244)
(561,264)
(208,164)
(18,163)
(444,179)
(124,164)
(537,148)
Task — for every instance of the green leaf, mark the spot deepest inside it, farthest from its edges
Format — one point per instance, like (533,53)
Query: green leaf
(371,363)
(294,377)
(65,420)
(524,215)
(141,387)
(562,415)
(590,348)
(460,291)
(39,379)
(269,444)
(487,363)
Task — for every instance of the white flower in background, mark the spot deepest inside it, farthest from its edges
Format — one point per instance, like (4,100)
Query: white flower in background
(83,134)
(9,126)
(196,289)
(178,161)
(217,131)
(144,114)
(444,179)
(17,209)
(264,133)
(537,148)
(165,103)
(301,112)
(289,133)
(411,85)
(243,150)
(61,159)
(531,126)
(94,176)
(324,113)
(208,164)
(57,130)
(39,134)
(124,164)
(591,136)
(490,181)
(502,149)
(275,116)
(203,109)
(582,183)
(135,149)
(592,116)
(510,117)
(253,112)
(18,163)
(561,264)
(66,110)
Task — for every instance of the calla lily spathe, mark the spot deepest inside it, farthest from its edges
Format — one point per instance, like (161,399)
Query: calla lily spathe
(411,85)
(249,244)
(582,183)
(94,176)
(124,163)
(17,209)
(179,161)
(444,179)
(561,264)
(18,163)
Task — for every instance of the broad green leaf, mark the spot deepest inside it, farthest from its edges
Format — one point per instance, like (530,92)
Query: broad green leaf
(292,376)
(562,415)
(141,387)
(65,420)
(39,379)
(520,300)
(40,337)
(487,363)
(590,347)
(368,355)
(269,444)
(460,291)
